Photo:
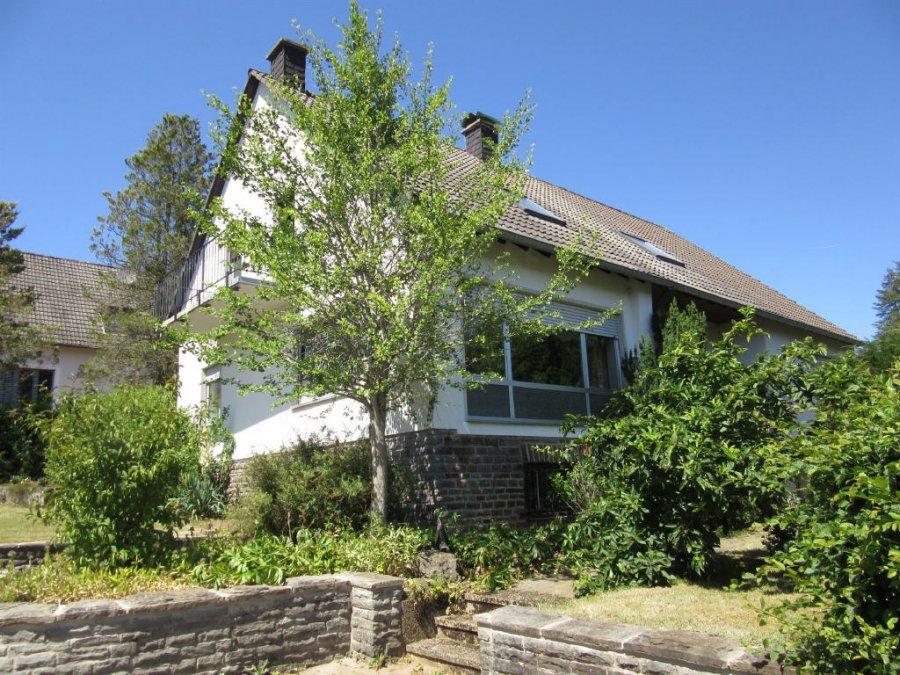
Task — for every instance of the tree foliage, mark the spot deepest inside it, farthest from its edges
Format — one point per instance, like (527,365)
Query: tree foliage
(145,234)
(19,340)
(843,554)
(883,350)
(377,237)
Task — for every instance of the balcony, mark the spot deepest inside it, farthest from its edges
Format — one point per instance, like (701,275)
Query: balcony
(196,282)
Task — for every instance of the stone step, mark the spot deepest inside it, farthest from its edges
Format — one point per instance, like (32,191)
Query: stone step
(486,601)
(458,627)
(450,655)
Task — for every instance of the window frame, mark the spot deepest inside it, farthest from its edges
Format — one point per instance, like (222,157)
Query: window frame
(615,375)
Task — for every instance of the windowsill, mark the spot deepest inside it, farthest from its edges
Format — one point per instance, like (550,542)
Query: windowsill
(303,405)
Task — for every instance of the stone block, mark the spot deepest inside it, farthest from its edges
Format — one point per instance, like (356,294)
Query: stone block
(22,613)
(85,610)
(167,601)
(685,648)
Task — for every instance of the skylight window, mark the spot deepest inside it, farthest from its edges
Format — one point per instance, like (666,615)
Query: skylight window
(660,253)
(535,209)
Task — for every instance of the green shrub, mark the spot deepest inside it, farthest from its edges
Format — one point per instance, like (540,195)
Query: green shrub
(843,556)
(308,486)
(675,462)
(269,559)
(22,444)
(115,462)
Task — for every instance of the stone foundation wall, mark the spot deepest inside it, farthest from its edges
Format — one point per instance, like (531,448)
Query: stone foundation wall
(307,621)
(30,553)
(525,640)
(481,478)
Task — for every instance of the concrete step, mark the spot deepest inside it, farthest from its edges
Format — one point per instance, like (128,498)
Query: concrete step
(451,656)
(458,627)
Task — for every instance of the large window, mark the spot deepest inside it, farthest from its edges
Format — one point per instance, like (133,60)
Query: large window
(542,379)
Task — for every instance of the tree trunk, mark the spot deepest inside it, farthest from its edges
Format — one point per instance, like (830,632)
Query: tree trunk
(378,446)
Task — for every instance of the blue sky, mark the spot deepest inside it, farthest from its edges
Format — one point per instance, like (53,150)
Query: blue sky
(767,132)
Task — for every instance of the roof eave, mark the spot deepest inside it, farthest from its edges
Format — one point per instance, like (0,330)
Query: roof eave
(643,276)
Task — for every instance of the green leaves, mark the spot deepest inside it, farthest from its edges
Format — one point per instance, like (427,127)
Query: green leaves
(116,462)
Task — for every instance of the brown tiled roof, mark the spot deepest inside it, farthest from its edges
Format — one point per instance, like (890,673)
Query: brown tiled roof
(67,292)
(703,274)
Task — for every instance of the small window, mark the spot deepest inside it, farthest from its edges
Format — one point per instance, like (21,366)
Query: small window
(27,386)
(660,253)
(211,392)
(535,209)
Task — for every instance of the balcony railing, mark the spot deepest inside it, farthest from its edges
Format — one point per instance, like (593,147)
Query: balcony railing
(205,271)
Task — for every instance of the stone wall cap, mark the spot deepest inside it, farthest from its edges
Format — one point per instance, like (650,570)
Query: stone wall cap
(315,581)
(600,635)
(370,580)
(234,593)
(178,598)
(12,613)
(682,647)
(87,609)
(519,620)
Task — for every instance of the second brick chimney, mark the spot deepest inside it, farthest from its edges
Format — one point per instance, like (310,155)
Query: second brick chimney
(288,61)
(478,127)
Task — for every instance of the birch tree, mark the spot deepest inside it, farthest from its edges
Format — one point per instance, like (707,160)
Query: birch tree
(378,240)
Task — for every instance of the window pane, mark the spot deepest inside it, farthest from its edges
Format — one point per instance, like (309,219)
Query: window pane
(489,401)
(598,349)
(545,404)
(484,351)
(555,359)
(598,402)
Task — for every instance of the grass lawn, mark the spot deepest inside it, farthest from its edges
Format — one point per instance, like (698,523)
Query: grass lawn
(708,608)
(18,524)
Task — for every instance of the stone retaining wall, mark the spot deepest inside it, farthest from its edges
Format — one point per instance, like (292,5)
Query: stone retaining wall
(525,640)
(309,620)
(29,553)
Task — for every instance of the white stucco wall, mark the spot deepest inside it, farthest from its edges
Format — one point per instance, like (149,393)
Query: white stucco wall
(65,364)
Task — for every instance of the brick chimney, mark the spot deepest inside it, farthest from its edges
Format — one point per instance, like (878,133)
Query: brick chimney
(477,127)
(288,61)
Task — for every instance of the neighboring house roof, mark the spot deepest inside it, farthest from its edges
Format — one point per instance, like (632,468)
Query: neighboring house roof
(67,296)
(696,272)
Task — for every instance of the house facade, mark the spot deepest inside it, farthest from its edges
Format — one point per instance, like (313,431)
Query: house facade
(479,455)
(65,310)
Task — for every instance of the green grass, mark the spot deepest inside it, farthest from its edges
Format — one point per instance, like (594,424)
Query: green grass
(18,524)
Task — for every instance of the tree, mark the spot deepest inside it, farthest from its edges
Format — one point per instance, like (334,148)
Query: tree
(884,348)
(145,234)
(18,339)
(378,241)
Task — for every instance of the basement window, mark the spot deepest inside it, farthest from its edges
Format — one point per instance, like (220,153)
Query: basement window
(534,209)
(660,253)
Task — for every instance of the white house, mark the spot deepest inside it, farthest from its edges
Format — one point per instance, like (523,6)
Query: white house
(65,309)
(477,457)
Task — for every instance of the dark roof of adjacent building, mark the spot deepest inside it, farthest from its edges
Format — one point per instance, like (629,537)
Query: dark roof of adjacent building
(695,271)
(68,293)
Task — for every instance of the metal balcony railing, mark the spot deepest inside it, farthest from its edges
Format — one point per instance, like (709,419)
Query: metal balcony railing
(206,270)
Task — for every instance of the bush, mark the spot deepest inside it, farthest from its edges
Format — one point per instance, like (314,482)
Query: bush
(22,445)
(308,486)
(675,462)
(115,462)
(843,555)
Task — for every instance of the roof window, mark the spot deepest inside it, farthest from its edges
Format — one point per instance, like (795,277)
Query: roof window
(660,253)
(535,209)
